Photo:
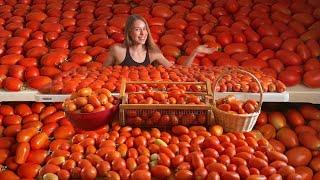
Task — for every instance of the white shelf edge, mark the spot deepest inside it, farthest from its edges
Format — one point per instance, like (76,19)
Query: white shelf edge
(51,97)
(24,95)
(301,93)
(298,93)
(55,97)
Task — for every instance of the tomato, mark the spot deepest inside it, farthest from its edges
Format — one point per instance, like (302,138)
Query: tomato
(304,171)
(288,57)
(39,82)
(12,84)
(314,47)
(230,175)
(274,156)
(315,164)
(216,167)
(184,175)
(141,175)
(271,42)
(23,110)
(160,171)
(63,132)
(286,171)
(12,130)
(28,170)
(298,156)
(309,140)
(290,44)
(224,38)
(36,52)
(37,156)
(294,117)
(169,50)
(289,77)
(88,172)
(235,48)
(311,78)
(254,47)
(12,120)
(8,174)
(22,152)
(53,58)
(4,154)
(288,137)
(39,140)
(37,107)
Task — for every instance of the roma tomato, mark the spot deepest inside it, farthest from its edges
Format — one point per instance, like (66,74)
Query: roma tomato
(160,171)
(22,152)
(8,174)
(39,141)
(289,77)
(12,84)
(312,78)
(294,117)
(141,175)
(28,170)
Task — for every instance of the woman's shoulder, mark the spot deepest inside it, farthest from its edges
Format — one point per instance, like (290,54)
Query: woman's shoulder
(118,47)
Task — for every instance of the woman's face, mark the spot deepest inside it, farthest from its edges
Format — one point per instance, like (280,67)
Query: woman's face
(139,32)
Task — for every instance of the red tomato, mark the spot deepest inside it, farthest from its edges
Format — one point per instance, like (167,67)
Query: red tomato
(88,172)
(184,175)
(312,78)
(39,82)
(12,84)
(224,38)
(160,171)
(37,156)
(289,77)
(39,141)
(141,175)
(28,170)
(22,152)
(8,174)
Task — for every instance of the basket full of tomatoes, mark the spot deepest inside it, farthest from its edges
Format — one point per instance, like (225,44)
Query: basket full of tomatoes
(163,108)
(234,114)
(90,110)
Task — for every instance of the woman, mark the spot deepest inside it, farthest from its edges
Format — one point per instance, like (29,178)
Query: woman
(139,47)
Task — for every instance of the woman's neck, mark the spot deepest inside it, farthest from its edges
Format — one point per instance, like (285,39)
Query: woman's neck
(137,47)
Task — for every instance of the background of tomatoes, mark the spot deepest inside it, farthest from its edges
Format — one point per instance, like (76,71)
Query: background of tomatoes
(40,39)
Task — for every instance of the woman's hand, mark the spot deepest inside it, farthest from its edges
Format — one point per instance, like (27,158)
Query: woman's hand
(204,49)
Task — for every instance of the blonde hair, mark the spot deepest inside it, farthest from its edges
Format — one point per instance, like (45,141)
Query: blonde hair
(150,44)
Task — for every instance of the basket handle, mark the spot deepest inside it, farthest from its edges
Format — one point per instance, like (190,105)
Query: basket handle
(244,72)
(123,88)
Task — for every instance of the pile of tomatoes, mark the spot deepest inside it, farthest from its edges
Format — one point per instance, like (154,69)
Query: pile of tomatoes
(294,131)
(86,101)
(97,77)
(175,96)
(39,141)
(40,39)
(232,105)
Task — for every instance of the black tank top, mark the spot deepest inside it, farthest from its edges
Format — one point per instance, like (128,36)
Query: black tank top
(128,61)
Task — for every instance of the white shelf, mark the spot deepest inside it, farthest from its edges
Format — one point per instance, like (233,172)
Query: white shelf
(24,95)
(50,97)
(267,97)
(301,93)
(56,97)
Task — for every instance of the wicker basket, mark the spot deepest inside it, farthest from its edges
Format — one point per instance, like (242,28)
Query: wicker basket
(236,122)
(185,114)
